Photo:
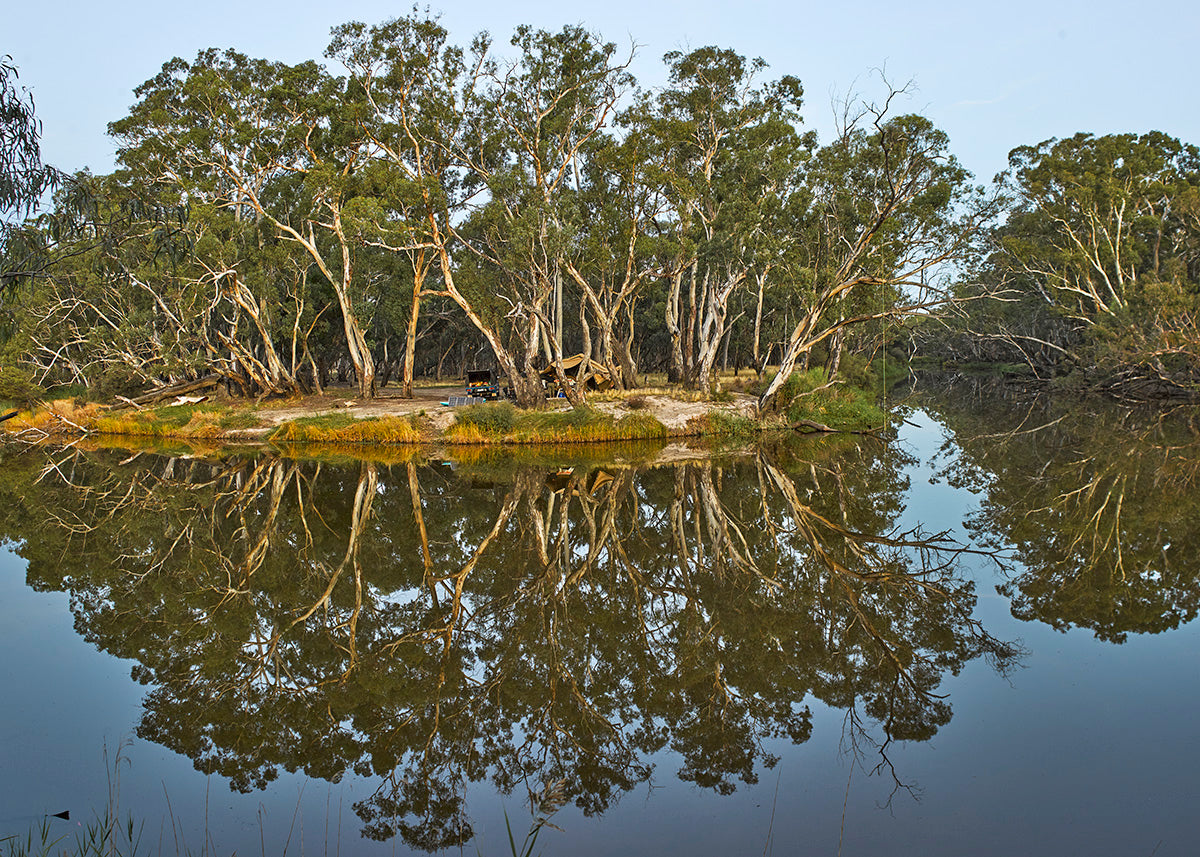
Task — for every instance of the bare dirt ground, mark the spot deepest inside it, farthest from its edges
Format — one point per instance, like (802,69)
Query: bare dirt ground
(389,403)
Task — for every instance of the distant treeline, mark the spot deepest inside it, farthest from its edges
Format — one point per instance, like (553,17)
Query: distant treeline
(441,207)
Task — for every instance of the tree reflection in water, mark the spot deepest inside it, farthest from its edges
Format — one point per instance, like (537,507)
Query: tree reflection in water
(430,626)
(1099,501)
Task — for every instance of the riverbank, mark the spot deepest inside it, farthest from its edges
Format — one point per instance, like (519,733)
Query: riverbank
(429,417)
(387,418)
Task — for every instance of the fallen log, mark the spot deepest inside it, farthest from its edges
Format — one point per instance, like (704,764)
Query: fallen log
(172,391)
(799,425)
(811,426)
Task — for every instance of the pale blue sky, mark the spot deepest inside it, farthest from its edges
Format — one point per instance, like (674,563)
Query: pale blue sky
(993,76)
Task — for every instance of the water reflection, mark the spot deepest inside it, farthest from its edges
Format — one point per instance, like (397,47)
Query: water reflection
(429,626)
(1099,501)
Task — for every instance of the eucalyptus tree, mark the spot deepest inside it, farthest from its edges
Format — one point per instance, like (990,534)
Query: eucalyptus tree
(120,307)
(24,179)
(891,211)
(486,150)
(1104,239)
(733,154)
(545,110)
(408,77)
(133,296)
(619,246)
(1093,214)
(266,143)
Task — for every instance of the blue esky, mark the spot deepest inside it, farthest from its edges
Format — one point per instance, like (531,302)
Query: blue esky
(992,75)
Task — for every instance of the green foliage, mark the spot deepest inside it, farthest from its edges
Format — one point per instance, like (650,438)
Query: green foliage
(23,176)
(115,380)
(17,387)
(66,391)
(1099,261)
(24,180)
(810,396)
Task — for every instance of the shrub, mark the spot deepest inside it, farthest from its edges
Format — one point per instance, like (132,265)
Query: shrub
(806,396)
(18,387)
(491,418)
(115,381)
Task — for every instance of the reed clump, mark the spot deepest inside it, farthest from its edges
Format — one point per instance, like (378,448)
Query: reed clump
(502,423)
(342,428)
(201,421)
(726,424)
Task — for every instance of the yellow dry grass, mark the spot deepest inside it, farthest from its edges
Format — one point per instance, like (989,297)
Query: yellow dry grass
(337,428)
(59,416)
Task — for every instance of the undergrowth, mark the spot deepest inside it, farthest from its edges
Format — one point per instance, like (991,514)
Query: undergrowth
(811,396)
(205,420)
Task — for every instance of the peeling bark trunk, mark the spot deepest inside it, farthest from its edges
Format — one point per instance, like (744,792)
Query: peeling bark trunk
(675,370)
(410,341)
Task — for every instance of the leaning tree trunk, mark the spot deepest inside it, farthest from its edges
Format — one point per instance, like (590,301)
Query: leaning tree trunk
(526,388)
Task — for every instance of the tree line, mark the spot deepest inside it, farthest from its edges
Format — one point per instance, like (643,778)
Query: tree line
(1094,269)
(437,206)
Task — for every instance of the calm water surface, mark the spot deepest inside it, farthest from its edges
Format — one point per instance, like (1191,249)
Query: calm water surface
(782,652)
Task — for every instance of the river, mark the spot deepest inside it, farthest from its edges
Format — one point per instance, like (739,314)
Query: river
(977,638)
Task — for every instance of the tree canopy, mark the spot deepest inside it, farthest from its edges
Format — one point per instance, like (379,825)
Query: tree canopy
(485,205)
(1098,260)
(422,207)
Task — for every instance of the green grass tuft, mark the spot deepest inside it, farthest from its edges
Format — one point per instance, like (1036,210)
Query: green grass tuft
(484,424)
(204,420)
(726,424)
